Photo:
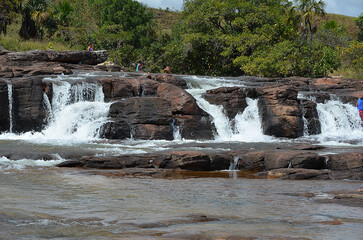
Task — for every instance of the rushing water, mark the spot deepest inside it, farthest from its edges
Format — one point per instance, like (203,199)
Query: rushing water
(10,99)
(40,201)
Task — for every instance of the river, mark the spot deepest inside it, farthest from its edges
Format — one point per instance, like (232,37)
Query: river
(41,201)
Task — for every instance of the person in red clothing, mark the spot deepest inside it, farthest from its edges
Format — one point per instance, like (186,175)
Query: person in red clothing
(360,107)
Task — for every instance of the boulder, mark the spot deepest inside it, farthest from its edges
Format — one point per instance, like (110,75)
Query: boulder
(346,161)
(152,131)
(192,160)
(232,99)
(195,127)
(171,79)
(181,101)
(74,57)
(279,111)
(4,108)
(119,87)
(115,130)
(268,160)
(148,118)
(147,110)
(310,113)
(28,111)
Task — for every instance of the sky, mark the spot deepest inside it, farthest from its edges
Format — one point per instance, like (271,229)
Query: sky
(344,7)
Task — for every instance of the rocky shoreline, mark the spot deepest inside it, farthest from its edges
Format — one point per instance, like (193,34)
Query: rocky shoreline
(149,106)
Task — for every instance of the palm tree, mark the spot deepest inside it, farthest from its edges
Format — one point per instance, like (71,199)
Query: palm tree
(62,11)
(35,13)
(308,9)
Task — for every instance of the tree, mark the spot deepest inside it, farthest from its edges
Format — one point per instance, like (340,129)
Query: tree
(308,9)
(34,15)
(213,35)
(62,11)
(130,15)
(359,22)
(8,10)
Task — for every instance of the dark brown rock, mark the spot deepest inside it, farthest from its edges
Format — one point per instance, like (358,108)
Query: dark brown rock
(75,57)
(28,110)
(267,160)
(118,88)
(280,112)
(346,161)
(187,160)
(146,110)
(115,130)
(233,99)
(4,108)
(311,115)
(181,101)
(152,132)
(171,79)
(195,127)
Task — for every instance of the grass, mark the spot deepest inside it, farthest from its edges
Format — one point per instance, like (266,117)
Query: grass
(165,19)
(347,22)
(349,73)
(13,42)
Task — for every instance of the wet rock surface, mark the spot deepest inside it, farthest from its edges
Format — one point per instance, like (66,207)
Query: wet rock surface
(270,164)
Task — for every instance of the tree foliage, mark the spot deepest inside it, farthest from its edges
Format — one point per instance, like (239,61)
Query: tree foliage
(230,38)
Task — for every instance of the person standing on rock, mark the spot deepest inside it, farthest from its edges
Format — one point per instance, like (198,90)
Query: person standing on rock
(360,107)
(90,47)
(139,67)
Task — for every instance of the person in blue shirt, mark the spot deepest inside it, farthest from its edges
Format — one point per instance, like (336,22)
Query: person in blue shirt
(139,67)
(360,107)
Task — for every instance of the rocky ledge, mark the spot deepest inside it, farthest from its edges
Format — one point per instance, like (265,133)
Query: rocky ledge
(152,106)
(295,164)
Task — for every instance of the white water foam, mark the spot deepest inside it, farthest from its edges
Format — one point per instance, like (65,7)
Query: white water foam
(8,164)
(247,125)
(10,98)
(340,123)
(75,114)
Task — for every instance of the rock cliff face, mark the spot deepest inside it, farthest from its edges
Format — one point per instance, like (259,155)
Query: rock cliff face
(153,106)
(151,109)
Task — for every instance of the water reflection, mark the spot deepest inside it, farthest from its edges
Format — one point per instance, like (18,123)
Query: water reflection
(47,202)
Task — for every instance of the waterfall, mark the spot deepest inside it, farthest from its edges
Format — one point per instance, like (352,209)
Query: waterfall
(48,107)
(176,130)
(78,111)
(10,98)
(74,114)
(234,164)
(247,124)
(339,123)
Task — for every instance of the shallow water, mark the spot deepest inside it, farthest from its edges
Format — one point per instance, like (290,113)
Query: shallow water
(43,202)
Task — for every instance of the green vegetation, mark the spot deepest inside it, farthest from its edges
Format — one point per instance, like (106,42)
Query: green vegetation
(273,38)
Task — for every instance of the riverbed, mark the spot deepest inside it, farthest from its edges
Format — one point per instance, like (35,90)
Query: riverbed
(39,201)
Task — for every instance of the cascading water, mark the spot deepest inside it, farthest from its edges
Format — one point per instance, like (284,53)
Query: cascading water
(10,98)
(48,107)
(247,125)
(78,110)
(75,113)
(340,123)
